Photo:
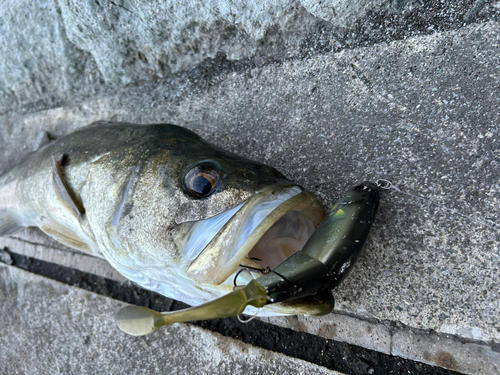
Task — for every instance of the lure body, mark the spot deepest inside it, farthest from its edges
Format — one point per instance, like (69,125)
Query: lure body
(331,251)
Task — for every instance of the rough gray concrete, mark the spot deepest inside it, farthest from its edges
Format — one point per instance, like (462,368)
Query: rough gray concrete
(52,47)
(339,12)
(421,112)
(37,60)
(49,328)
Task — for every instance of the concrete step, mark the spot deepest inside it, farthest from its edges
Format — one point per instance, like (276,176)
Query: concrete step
(422,112)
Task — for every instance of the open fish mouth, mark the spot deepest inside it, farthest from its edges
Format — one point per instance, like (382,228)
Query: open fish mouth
(259,234)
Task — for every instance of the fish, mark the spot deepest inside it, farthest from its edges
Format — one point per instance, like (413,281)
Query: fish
(177,215)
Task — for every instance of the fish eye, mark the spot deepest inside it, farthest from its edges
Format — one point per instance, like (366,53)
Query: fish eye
(201,180)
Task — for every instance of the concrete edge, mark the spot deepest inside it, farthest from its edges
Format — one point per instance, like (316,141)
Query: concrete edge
(393,338)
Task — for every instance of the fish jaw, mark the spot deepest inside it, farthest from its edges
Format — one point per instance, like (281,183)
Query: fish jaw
(255,235)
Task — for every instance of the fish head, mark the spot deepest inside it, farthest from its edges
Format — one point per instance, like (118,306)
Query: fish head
(199,216)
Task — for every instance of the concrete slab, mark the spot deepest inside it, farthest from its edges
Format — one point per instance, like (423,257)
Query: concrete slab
(47,327)
(421,112)
(54,47)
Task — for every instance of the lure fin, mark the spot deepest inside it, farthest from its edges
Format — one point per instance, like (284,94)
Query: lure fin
(8,223)
(138,321)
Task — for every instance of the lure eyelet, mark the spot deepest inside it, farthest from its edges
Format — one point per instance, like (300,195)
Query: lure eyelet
(201,180)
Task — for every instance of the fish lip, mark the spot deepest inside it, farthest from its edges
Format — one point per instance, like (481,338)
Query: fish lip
(221,257)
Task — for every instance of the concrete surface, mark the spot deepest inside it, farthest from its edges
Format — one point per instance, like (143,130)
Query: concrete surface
(422,112)
(47,327)
(55,47)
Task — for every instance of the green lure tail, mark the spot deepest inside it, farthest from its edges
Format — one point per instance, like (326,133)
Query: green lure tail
(138,320)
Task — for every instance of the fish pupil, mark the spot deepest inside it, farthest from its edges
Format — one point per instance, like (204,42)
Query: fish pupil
(201,186)
(202,179)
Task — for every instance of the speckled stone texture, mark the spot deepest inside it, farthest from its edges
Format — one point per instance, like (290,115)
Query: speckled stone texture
(422,112)
(50,47)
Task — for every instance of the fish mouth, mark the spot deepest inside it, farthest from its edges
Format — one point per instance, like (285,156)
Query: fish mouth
(256,235)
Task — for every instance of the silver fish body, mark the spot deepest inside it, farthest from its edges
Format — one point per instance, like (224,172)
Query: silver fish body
(168,210)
